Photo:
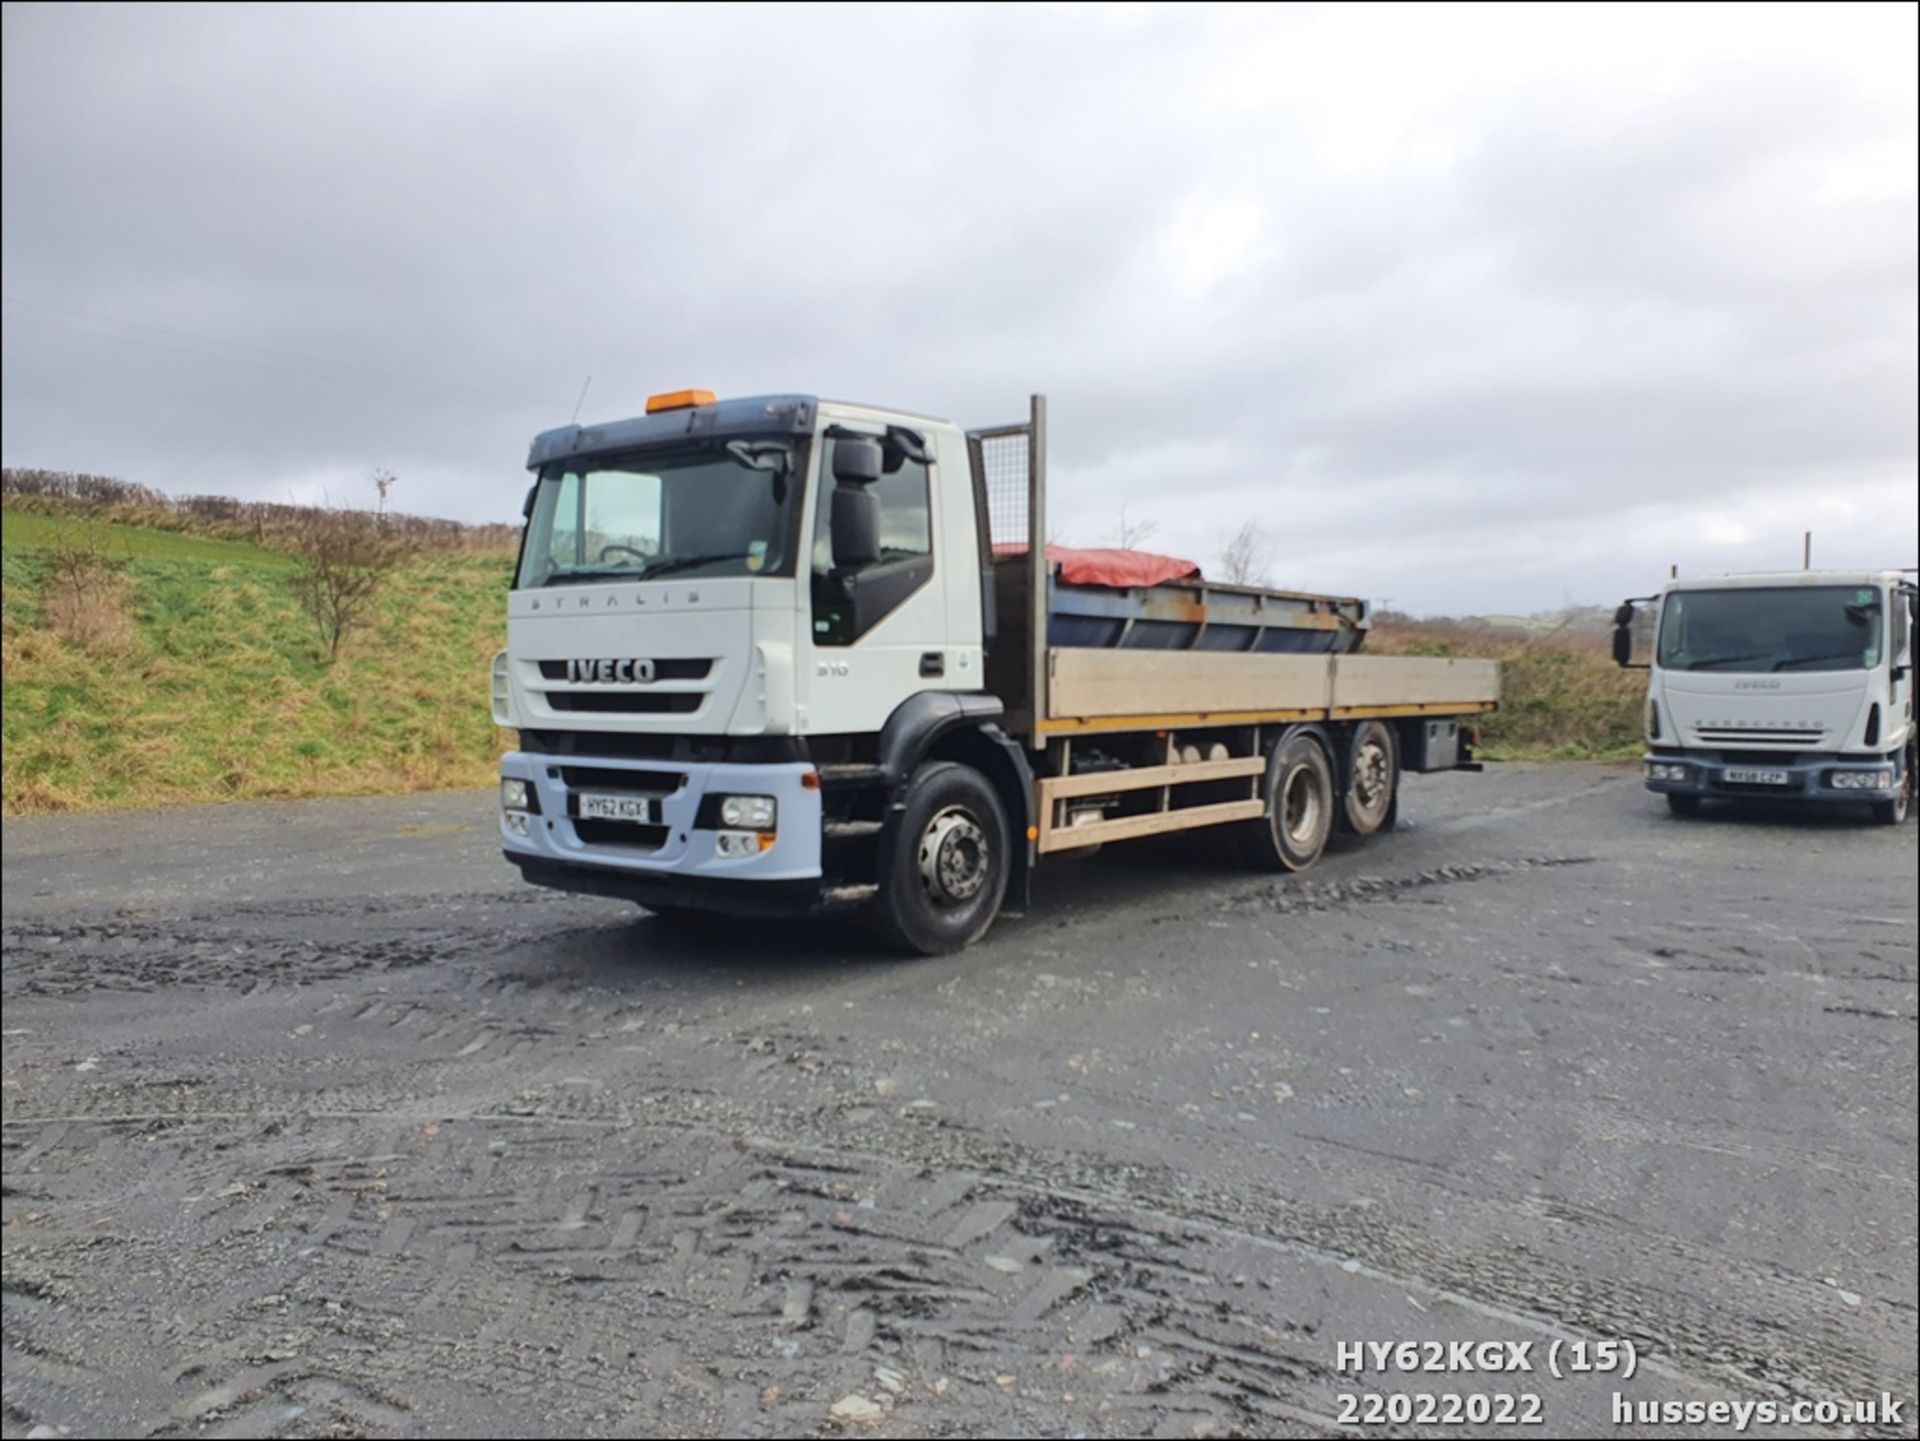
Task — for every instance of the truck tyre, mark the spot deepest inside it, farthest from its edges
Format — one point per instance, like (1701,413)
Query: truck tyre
(1684,805)
(1373,778)
(1299,818)
(946,873)
(1893,812)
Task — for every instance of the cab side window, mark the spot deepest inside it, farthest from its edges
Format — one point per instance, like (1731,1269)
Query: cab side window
(905,562)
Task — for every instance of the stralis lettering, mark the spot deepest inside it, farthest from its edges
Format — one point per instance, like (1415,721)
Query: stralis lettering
(622,672)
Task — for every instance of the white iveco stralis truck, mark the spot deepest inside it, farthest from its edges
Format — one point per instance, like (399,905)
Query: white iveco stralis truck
(782,654)
(1794,686)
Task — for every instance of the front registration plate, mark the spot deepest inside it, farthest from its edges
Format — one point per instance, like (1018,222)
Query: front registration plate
(639,810)
(1748,775)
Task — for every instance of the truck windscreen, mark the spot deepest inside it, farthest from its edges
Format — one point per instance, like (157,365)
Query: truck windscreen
(1789,628)
(707,511)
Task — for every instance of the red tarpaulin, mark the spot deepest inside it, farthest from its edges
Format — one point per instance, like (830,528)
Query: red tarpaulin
(1107,566)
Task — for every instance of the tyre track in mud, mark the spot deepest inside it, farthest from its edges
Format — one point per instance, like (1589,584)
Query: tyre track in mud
(413,1167)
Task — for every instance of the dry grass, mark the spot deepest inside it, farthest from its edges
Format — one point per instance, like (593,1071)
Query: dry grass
(93,620)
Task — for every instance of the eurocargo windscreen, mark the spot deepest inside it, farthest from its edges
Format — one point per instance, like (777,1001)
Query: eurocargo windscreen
(728,508)
(1789,628)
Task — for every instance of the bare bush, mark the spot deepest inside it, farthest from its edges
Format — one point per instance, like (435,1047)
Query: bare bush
(342,556)
(1129,534)
(86,592)
(1247,559)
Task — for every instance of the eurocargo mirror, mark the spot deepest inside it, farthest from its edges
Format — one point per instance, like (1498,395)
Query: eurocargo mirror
(1623,623)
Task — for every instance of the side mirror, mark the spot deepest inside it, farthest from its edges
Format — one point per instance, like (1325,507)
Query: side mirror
(1623,640)
(1624,614)
(526,506)
(856,523)
(902,444)
(856,460)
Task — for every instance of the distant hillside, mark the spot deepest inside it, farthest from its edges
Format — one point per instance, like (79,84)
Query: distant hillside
(222,517)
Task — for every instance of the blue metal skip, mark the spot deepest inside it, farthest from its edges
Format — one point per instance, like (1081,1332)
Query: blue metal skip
(1188,615)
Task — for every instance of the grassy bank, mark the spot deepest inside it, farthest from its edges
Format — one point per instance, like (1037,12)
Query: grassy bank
(1561,696)
(193,675)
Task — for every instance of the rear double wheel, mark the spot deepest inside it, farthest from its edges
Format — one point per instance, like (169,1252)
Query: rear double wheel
(1373,778)
(1299,793)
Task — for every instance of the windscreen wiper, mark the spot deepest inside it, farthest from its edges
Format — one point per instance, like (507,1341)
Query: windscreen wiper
(1783,663)
(687,562)
(584,577)
(1714,660)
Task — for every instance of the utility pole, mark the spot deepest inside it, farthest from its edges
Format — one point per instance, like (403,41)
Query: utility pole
(1806,551)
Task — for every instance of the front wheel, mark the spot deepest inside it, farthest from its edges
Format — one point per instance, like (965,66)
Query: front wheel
(1893,812)
(947,871)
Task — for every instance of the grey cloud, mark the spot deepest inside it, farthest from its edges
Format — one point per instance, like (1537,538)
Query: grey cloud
(417,230)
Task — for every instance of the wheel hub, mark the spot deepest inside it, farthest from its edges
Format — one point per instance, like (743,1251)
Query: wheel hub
(954,859)
(1302,808)
(1370,775)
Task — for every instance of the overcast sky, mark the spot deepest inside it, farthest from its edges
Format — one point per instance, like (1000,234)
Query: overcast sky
(1472,309)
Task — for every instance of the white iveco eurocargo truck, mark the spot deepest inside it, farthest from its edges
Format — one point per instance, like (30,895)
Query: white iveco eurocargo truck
(1795,686)
(783,654)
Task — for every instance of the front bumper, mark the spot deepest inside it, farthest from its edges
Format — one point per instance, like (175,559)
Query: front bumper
(1808,778)
(676,861)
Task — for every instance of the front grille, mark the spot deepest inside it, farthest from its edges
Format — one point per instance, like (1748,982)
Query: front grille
(1762,737)
(626,702)
(596,778)
(668,669)
(621,834)
(629,745)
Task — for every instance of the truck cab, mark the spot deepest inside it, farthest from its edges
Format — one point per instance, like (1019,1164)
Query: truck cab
(1795,686)
(707,596)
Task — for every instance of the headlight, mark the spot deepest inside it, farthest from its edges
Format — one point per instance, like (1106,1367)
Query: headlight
(513,795)
(754,813)
(1665,771)
(734,844)
(500,690)
(1860,780)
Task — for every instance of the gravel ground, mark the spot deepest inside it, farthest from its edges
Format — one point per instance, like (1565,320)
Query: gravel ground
(318,1122)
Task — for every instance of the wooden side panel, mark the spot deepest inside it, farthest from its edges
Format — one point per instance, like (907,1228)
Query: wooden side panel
(1088,684)
(1126,828)
(1411,680)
